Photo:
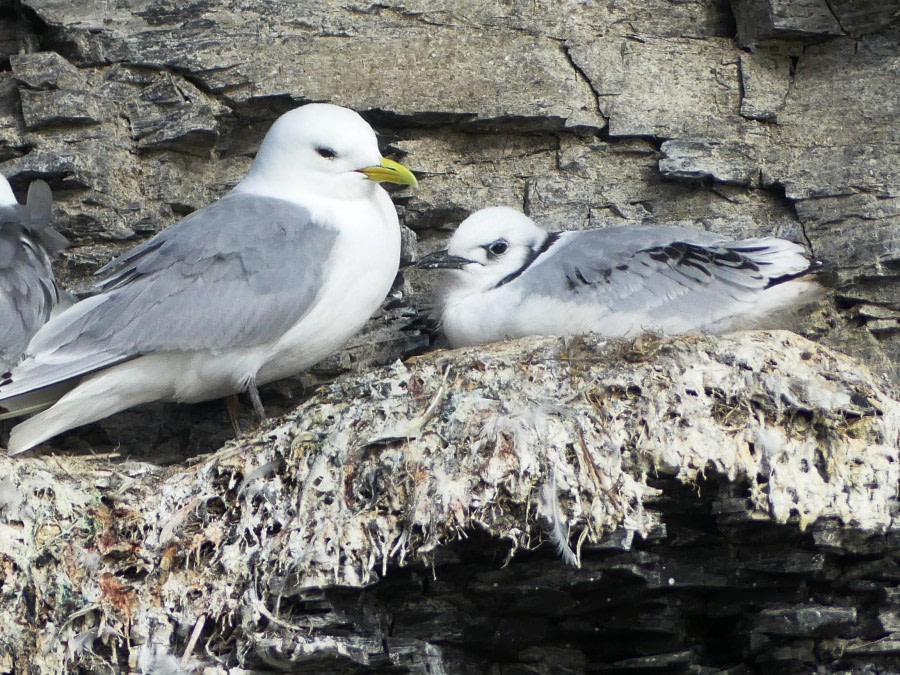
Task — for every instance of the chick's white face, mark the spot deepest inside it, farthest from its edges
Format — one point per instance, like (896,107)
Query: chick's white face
(497,241)
(320,146)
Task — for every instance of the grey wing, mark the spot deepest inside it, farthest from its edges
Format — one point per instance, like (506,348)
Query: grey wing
(671,274)
(39,206)
(28,290)
(237,273)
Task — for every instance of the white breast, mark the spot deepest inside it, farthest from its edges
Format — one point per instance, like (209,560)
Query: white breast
(475,318)
(359,273)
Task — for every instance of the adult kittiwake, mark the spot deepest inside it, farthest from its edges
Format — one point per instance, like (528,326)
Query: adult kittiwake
(514,279)
(257,286)
(29,292)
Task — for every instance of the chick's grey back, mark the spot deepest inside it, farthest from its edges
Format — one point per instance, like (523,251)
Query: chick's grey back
(671,278)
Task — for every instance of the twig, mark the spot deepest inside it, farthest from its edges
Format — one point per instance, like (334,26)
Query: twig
(195,635)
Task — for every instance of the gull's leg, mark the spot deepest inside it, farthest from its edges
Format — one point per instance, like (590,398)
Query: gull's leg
(253,392)
(231,407)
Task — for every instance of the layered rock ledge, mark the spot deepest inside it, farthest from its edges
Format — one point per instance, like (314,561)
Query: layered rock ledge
(529,506)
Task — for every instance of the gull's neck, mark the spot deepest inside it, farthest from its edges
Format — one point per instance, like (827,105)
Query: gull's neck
(305,188)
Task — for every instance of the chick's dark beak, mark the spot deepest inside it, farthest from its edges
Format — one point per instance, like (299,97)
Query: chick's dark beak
(442,260)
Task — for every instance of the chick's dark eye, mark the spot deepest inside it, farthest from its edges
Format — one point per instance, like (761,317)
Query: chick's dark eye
(498,248)
(327,153)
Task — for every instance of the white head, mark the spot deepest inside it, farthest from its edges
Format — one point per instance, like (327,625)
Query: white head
(325,149)
(7,198)
(488,246)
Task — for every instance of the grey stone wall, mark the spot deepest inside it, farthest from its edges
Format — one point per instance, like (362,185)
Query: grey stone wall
(762,117)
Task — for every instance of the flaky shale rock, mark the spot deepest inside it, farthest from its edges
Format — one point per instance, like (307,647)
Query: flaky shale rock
(516,507)
(747,118)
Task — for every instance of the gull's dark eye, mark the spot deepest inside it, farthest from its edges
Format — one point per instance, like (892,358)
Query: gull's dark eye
(497,248)
(327,153)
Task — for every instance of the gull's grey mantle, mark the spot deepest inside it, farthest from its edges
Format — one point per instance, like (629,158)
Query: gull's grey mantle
(733,499)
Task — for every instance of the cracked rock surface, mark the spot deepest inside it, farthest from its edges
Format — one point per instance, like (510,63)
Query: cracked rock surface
(752,118)
(731,502)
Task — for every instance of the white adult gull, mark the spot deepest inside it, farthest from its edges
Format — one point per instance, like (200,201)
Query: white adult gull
(29,292)
(514,279)
(257,286)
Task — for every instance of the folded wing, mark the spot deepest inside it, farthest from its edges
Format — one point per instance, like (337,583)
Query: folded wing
(197,285)
(28,289)
(671,279)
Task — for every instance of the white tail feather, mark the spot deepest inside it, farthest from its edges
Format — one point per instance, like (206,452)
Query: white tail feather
(779,257)
(97,396)
(775,307)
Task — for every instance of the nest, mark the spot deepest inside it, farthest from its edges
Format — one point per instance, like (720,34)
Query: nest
(132,565)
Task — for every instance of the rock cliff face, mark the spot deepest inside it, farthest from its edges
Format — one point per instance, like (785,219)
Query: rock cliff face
(730,502)
(761,117)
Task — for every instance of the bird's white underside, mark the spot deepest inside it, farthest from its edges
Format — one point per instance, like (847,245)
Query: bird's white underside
(472,320)
(7,198)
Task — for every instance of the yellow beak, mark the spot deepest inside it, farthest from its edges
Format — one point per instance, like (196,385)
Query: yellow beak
(390,172)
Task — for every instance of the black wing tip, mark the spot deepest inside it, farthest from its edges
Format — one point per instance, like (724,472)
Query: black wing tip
(820,269)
